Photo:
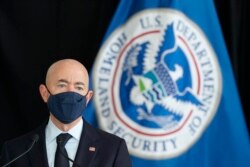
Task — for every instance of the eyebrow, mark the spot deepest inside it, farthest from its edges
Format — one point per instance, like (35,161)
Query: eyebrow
(65,81)
(79,83)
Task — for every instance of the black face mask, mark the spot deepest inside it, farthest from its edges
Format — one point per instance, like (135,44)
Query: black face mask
(67,106)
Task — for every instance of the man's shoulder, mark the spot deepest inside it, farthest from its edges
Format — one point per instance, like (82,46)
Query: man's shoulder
(103,135)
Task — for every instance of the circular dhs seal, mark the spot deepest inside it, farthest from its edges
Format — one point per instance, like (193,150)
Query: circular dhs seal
(157,83)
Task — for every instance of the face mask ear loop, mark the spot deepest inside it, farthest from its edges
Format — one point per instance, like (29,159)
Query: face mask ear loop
(48,89)
(87,93)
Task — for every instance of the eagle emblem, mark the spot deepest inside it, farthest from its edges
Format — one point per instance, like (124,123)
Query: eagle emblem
(156,77)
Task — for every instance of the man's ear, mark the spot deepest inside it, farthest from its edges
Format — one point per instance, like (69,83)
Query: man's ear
(89,95)
(44,93)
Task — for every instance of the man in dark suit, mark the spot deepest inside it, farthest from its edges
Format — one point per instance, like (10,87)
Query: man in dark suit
(67,139)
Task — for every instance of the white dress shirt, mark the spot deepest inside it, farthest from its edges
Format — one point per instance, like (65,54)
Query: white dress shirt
(51,132)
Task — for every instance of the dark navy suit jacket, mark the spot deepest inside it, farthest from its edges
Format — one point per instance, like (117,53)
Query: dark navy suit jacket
(96,149)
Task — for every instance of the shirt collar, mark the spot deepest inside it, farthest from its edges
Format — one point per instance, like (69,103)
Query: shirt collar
(52,131)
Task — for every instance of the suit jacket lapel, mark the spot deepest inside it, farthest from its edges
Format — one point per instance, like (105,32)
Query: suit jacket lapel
(38,154)
(88,146)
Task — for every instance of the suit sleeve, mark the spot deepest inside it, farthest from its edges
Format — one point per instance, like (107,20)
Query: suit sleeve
(122,158)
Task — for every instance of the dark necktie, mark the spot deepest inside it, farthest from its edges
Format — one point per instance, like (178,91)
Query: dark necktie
(61,153)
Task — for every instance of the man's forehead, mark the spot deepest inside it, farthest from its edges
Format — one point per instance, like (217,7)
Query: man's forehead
(68,73)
